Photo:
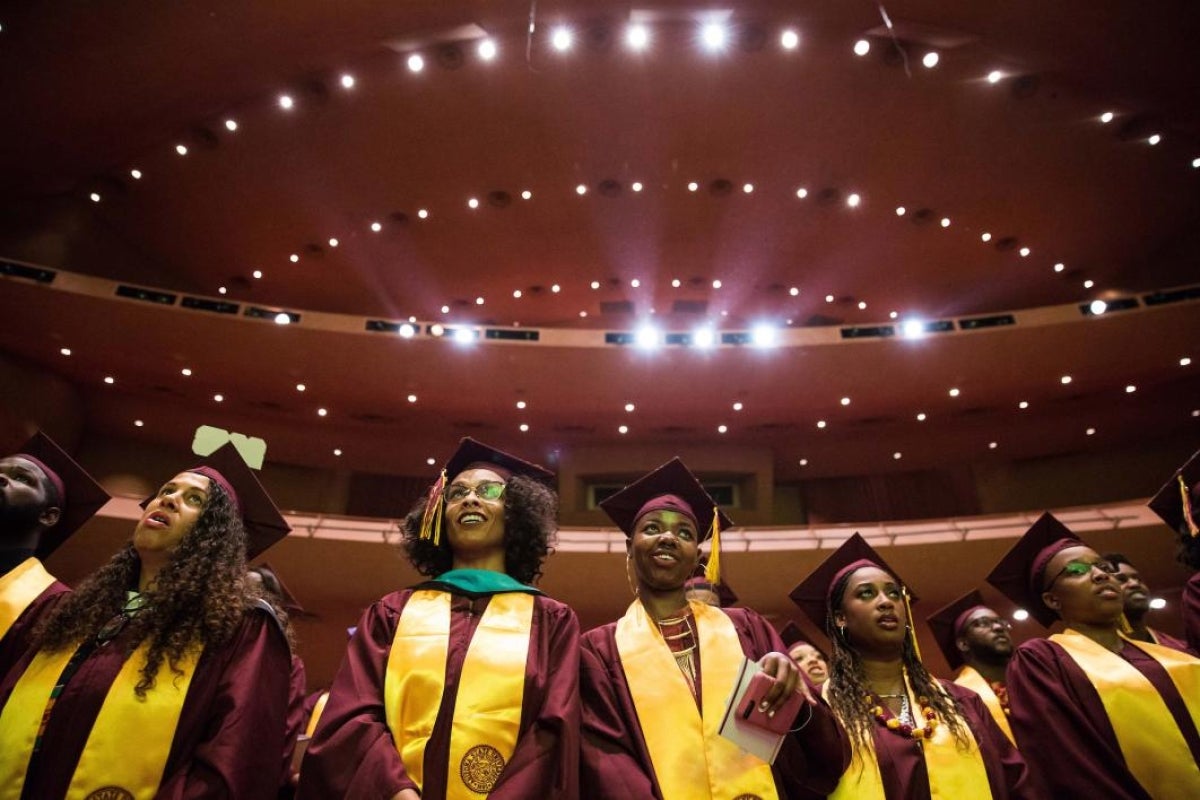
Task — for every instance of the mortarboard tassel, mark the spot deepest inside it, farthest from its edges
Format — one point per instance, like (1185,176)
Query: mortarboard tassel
(712,570)
(1187,508)
(431,522)
(912,632)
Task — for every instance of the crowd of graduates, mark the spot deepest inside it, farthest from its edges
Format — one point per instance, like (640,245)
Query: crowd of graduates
(171,671)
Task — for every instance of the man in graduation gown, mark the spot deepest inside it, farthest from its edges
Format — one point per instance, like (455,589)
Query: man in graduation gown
(44,498)
(215,728)
(975,640)
(465,685)
(1095,713)
(666,746)
(1137,604)
(1178,504)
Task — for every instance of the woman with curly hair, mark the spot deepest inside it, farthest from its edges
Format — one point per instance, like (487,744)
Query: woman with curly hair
(655,683)
(466,684)
(161,675)
(913,736)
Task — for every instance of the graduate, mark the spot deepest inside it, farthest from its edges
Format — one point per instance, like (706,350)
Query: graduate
(810,658)
(44,498)
(160,676)
(1137,604)
(655,683)
(971,635)
(913,736)
(1178,504)
(466,685)
(1094,712)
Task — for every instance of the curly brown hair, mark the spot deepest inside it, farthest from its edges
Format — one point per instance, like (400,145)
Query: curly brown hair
(197,599)
(848,685)
(530,521)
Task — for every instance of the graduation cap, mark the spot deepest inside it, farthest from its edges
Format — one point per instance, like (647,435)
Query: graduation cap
(792,635)
(472,454)
(726,596)
(79,496)
(264,524)
(948,624)
(671,487)
(1021,574)
(275,585)
(1178,502)
(814,594)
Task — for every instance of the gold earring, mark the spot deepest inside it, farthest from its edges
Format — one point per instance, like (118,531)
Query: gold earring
(628,576)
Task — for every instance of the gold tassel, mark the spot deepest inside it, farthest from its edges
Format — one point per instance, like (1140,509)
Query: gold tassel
(1187,507)
(431,521)
(712,571)
(912,631)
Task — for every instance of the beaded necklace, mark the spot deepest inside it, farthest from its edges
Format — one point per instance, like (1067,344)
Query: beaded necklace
(680,637)
(904,725)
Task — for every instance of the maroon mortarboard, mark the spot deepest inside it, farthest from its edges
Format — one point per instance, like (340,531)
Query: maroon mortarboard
(792,635)
(79,496)
(264,524)
(948,624)
(814,593)
(472,454)
(1021,574)
(671,487)
(1178,502)
(274,584)
(725,595)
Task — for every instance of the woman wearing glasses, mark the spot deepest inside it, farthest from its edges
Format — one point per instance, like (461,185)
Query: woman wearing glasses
(1094,713)
(465,685)
(162,675)
(914,737)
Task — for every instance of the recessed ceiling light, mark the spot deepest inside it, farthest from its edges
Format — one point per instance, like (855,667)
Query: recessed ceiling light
(581,189)
(517,293)
(138,423)
(257,274)
(862,305)
(622,429)
(1185,362)
(1089,283)
(1130,389)
(337,451)
(828,298)
(487,49)
(921,416)
(636,186)
(1090,432)
(676,283)
(231,125)
(526,195)
(693,186)
(430,461)
(333,242)
(95,197)
(893,314)
(1065,379)
(376,227)
(954,392)
(110,380)
(561,39)
(582,314)
(913,328)
(802,193)
(422,213)
(716,284)
(185,372)
(930,60)
(789,39)
(1020,615)
(282,318)
(647,336)
(1158,603)
(722,428)
(1024,251)
(637,37)
(321,412)
(300,387)
(1098,307)
(764,335)
(286,102)
(524,427)
(747,187)
(862,47)
(704,337)
(347,80)
(1196,163)
(445,309)
(556,288)
(220,398)
(66,351)
(1024,404)
(992,445)
(595,284)
(416,63)
(473,203)
(136,174)
(1154,139)
(794,291)
(901,211)
(986,237)
(1106,117)
(896,455)
(853,200)
(994,76)
(293,258)
(181,149)
(407,330)
(478,301)
(945,222)
(713,35)
(820,423)
(804,462)
(737,406)
(1059,267)
(845,401)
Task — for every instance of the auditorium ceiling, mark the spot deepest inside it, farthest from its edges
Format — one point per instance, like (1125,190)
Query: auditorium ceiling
(533,191)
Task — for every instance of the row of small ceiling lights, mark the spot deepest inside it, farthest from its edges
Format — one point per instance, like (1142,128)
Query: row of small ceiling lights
(629,408)
(715,37)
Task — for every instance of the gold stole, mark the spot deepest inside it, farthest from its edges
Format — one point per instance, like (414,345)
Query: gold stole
(953,774)
(487,710)
(690,757)
(130,739)
(1155,751)
(315,717)
(971,679)
(20,587)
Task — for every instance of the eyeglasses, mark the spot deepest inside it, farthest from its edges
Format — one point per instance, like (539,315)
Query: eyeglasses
(982,623)
(488,490)
(1078,568)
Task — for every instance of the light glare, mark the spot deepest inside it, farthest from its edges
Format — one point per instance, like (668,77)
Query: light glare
(561,39)
(862,47)
(713,35)
(789,39)
(416,63)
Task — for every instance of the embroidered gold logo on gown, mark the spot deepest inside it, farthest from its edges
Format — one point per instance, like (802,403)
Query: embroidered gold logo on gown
(110,793)
(481,767)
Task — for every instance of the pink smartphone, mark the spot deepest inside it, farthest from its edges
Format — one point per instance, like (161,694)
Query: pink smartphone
(781,723)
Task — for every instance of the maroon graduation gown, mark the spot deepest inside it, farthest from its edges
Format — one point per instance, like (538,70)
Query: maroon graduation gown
(297,720)
(352,755)
(14,643)
(1167,640)
(230,732)
(616,763)
(1063,730)
(1191,613)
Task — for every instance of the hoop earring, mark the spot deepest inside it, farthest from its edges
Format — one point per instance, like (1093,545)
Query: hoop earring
(628,576)
(842,631)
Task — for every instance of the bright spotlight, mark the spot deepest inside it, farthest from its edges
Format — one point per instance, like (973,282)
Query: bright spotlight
(704,337)
(638,36)
(561,39)
(913,328)
(1157,603)
(464,335)
(1098,307)
(713,35)
(764,336)
(282,318)
(407,331)
(648,337)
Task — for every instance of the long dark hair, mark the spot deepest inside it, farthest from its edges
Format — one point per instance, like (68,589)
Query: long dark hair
(848,690)
(530,521)
(198,598)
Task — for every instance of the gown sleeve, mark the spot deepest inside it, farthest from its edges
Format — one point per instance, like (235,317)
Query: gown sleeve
(1007,770)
